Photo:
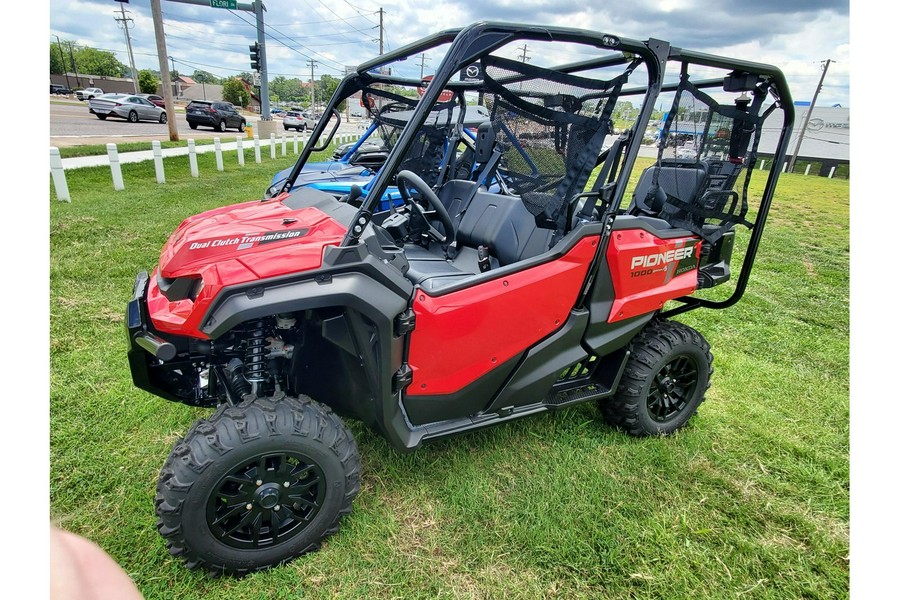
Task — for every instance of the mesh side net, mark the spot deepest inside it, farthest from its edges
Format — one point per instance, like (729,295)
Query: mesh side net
(707,151)
(391,112)
(550,127)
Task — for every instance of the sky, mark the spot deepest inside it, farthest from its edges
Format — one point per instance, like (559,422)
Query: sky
(794,35)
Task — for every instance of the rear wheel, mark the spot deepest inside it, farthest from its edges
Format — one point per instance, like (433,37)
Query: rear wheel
(256,485)
(664,382)
(132,117)
(163,118)
(192,125)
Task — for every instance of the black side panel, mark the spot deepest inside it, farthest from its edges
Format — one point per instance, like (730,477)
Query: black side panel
(543,363)
(470,400)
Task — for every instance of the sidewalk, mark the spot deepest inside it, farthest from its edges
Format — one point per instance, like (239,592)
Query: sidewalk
(102,160)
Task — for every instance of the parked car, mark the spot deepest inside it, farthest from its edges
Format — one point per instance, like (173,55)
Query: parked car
(312,119)
(296,120)
(88,93)
(60,90)
(132,108)
(157,100)
(218,115)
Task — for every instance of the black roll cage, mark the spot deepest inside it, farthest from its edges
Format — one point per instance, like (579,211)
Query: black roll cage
(469,44)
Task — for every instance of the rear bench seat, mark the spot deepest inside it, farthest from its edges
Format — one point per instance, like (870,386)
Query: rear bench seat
(501,223)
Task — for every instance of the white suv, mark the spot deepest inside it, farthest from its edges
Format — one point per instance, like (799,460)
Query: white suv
(295,120)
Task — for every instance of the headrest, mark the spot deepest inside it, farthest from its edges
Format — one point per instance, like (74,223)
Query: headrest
(484,142)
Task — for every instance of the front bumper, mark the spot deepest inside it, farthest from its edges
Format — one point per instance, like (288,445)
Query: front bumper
(153,360)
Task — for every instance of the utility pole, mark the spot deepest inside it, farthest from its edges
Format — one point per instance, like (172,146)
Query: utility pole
(380,31)
(524,57)
(422,60)
(161,53)
(74,66)
(123,22)
(62,57)
(312,78)
(258,9)
(812,105)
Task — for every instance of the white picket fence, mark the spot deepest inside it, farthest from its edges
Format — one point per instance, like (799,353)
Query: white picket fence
(58,171)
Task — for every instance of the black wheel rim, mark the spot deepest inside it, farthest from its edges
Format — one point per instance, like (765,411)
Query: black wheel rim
(266,500)
(672,389)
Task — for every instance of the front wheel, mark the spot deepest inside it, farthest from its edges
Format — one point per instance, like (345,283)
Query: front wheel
(163,118)
(192,125)
(664,382)
(132,117)
(241,126)
(101,117)
(257,484)
(222,125)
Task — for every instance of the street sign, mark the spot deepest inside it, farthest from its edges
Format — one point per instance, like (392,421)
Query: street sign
(445,96)
(229,4)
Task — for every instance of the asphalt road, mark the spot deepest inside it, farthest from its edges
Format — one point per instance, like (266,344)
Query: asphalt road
(72,125)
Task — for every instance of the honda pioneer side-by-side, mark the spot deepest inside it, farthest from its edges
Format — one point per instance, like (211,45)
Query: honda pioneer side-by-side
(516,273)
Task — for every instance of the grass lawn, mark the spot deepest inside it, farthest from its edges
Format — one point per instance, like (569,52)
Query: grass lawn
(750,501)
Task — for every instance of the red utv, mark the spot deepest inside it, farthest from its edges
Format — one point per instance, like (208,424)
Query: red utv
(517,277)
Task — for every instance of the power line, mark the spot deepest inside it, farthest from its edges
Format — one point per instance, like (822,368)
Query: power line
(337,15)
(361,14)
(273,38)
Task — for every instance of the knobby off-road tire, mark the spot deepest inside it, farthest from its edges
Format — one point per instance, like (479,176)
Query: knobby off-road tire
(664,382)
(256,485)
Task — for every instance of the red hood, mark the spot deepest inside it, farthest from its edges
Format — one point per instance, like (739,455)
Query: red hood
(249,241)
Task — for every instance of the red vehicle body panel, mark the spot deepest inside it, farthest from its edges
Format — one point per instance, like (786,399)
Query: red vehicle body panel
(462,335)
(233,245)
(648,271)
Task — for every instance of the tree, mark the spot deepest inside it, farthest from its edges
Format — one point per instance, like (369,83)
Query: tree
(204,77)
(234,91)
(89,61)
(59,59)
(288,90)
(99,62)
(325,88)
(147,81)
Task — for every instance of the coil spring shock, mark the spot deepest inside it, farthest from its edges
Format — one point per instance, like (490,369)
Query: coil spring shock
(254,359)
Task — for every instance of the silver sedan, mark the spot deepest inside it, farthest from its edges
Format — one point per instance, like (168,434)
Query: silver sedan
(124,106)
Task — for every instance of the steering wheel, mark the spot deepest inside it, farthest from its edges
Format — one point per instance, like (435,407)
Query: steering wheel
(407,180)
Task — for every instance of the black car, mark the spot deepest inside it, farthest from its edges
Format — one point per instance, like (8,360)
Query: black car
(60,90)
(218,115)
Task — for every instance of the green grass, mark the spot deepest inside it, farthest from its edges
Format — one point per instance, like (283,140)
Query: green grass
(751,500)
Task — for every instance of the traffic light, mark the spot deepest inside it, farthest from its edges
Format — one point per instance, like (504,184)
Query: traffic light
(254,56)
